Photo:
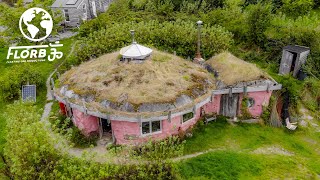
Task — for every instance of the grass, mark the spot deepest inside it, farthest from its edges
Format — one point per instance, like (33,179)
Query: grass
(237,160)
(238,165)
(154,81)
(232,69)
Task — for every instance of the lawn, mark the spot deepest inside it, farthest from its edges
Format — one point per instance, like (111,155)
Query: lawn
(237,156)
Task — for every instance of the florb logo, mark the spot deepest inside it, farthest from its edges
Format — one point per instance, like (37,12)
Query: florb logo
(36,25)
(36,19)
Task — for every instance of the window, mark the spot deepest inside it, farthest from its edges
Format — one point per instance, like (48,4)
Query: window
(186,117)
(66,15)
(250,102)
(150,127)
(84,10)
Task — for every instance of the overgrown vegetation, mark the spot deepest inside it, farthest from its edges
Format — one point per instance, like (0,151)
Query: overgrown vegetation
(160,150)
(13,79)
(64,125)
(31,154)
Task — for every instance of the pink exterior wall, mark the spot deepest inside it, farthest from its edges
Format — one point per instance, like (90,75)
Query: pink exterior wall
(214,106)
(130,132)
(261,98)
(86,123)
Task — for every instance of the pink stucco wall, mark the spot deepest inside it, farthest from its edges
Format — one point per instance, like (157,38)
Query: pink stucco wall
(261,98)
(86,123)
(214,106)
(130,132)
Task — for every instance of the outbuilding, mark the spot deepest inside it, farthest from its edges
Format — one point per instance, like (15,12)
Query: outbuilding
(293,57)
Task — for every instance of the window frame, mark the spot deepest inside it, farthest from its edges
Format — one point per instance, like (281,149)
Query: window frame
(150,128)
(182,119)
(252,104)
(65,15)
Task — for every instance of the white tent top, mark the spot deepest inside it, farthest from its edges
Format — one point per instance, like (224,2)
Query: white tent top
(135,51)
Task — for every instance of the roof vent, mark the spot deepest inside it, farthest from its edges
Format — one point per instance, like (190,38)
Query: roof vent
(135,51)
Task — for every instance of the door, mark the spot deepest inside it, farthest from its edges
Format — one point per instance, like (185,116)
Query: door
(229,105)
(286,62)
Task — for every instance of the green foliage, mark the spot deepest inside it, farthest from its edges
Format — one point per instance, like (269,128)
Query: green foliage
(231,17)
(64,125)
(302,31)
(293,87)
(312,66)
(31,154)
(80,140)
(295,8)
(29,149)
(168,36)
(160,150)
(267,110)
(245,114)
(259,17)
(310,95)
(13,79)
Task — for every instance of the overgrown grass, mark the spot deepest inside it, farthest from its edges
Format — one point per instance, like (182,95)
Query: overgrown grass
(238,165)
(235,160)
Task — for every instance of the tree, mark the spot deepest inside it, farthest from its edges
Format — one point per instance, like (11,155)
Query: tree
(259,17)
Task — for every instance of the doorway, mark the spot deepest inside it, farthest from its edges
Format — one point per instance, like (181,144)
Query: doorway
(229,105)
(106,135)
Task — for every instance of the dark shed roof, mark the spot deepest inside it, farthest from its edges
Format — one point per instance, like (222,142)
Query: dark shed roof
(296,48)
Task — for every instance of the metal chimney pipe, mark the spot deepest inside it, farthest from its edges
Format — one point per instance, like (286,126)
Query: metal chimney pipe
(132,34)
(198,54)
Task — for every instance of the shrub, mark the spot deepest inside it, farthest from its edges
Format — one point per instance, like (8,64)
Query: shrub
(160,150)
(295,8)
(29,150)
(259,17)
(15,77)
(301,31)
(80,140)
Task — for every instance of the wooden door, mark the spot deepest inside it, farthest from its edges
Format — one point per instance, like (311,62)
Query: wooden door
(229,105)
(286,62)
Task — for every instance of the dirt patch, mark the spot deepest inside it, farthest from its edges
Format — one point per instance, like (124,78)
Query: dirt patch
(277,150)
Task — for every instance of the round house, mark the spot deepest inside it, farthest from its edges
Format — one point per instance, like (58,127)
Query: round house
(162,95)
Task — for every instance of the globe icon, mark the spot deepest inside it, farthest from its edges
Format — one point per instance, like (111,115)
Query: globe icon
(35,24)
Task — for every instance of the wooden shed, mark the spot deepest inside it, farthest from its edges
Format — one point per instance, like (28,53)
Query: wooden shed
(293,57)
